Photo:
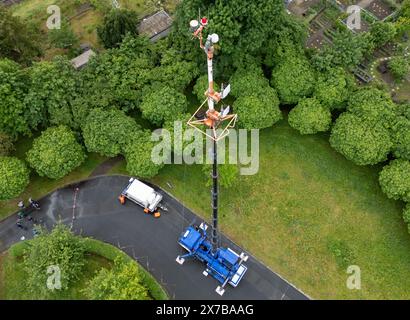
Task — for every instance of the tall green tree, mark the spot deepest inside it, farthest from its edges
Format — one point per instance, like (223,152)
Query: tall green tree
(395,180)
(361,141)
(48,251)
(346,50)
(333,88)
(163,104)
(382,32)
(138,155)
(310,117)
(117,24)
(399,67)
(19,40)
(55,153)
(14,177)
(107,132)
(293,79)
(53,87)
(14,113)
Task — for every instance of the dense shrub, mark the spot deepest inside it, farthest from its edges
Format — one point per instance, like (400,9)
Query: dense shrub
(395,180)
(122,282)
(138,156)
(310,117)
(106,132)
(59,248)
(293,78)
(360,141)
(55,153)
(117,23)
(164,104)
(258,111)
(14,177)
(399,67)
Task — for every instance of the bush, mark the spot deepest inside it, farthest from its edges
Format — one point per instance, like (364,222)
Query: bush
(55,153)
(373,105)
(395,180)
(58,248)
(258,111)
(117,23)
(360,141)
(401,138)
(107,132)
(164,104)
(399,67)
(14,177)
(294,79)
(333,88)
(138,156)
(122,282)
(246,82)
(310,117)
(6,145)
(201,86)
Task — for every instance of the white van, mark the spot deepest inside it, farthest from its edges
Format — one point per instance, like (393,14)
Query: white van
(141,194)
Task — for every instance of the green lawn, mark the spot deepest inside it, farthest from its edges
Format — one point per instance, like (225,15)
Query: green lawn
(40,186)
(308,214)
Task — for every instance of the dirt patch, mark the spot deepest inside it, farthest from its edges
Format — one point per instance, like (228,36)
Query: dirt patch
(380,9)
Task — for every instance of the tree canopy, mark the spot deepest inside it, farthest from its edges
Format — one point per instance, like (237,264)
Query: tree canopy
(399,67)
(138,156)
(122,282)
(163,104)
(107,131)
(14,113)
(293,79)
(116,25)
(395,180)
(14,177)
(55,153)
(310,117)
(59,248)
(19,40)
(53,87)
(347,50)
(333,88)
(360,141)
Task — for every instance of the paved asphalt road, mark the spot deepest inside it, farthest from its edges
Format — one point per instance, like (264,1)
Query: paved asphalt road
(153,242)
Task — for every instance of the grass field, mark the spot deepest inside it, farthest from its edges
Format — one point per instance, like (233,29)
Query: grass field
(308,214)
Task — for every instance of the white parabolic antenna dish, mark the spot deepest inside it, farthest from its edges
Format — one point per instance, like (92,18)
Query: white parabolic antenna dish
(214,38)
(194,23)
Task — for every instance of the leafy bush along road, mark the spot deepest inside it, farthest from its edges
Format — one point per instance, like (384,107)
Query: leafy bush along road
(99,259)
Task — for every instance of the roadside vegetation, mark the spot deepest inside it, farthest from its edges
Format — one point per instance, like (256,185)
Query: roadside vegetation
(89,269)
